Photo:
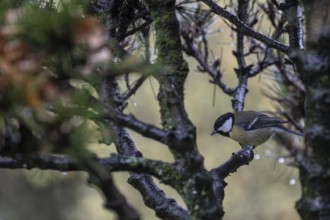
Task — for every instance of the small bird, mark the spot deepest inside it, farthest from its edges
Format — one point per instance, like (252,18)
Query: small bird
(250,127)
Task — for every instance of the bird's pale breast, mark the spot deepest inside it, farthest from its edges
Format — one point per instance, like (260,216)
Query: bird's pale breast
(252,137)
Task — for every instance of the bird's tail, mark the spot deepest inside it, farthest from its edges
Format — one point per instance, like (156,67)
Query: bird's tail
(281,129)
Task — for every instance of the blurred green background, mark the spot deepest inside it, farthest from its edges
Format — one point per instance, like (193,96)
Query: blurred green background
(266,189)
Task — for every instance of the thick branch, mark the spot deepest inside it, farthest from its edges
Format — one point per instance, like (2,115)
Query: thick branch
(102,178)
(242,71)
(242,157)
(43,162)
(238,159)
(113,163)
(143,128)
(162,170)
(196,184)
(295,28)
(114,199)
(165,208)
(153,197)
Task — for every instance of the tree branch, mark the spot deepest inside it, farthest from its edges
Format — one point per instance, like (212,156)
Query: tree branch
(114,198)
(238,159)
(113,163)
(213,70)
(143,128)
(243,70)
(244,28)
(295,28)
(242,157)
(41,161)
(153,197)
(132,90)
(196,185)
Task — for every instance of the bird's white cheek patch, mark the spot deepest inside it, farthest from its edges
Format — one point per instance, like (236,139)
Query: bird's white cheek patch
(226,127)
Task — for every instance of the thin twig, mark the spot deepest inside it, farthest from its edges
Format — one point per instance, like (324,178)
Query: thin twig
(244,28)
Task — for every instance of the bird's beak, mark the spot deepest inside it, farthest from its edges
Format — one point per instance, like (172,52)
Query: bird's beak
(213,132)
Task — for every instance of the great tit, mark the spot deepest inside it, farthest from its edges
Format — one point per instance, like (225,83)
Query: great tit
(250,127)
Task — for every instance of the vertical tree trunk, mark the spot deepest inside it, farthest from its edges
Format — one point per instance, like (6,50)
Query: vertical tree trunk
(195,185)
(314,65)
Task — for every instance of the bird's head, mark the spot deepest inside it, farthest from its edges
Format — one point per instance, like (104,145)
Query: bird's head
(224,124)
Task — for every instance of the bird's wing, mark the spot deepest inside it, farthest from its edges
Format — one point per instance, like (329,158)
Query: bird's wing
(263,121)
(254,120)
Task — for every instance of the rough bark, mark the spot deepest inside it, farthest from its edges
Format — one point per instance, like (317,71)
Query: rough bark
(195,184)
(314,66)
